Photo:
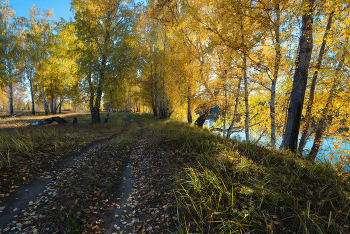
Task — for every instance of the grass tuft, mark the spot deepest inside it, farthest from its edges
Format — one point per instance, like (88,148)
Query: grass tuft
(225,186)
(26,150)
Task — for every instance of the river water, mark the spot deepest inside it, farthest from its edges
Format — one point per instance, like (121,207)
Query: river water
(326,154)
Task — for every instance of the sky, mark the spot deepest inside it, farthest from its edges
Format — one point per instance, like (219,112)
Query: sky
(61,8)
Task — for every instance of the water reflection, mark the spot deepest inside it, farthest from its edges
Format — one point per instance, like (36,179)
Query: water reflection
(325,154)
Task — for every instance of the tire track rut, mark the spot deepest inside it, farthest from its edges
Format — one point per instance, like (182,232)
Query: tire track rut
(16,204)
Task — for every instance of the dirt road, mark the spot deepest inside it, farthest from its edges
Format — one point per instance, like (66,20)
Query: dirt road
(104,188)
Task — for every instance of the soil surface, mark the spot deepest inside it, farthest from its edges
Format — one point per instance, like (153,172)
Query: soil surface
(122,216)
(16,204)
(103,188)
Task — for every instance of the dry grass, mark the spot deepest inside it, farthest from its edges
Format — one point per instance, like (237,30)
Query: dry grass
(225,186)
(24,119)
(26,150)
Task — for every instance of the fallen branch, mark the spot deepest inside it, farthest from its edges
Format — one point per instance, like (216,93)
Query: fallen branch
(49,121)
(234,129)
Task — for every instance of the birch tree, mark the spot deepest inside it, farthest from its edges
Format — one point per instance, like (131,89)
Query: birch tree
(10,48)
(300,77)
(34,50)
(101,27)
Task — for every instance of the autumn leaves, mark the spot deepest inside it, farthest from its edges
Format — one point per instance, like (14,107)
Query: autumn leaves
(253,60)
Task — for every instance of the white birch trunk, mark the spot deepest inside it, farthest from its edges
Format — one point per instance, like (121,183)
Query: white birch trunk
(55,103)
(246,98)
(51,103)
(275,76)
(32,92)
(44,101)
(60,107)
(156,88)
(11,98)
(235,112)
(165,113)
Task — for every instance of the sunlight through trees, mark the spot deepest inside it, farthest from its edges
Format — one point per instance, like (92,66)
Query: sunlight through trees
(274,69)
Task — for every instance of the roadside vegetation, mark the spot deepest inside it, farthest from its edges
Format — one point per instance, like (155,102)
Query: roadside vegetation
(88,189)
(225,186)
(201,182)
(273,70)
(27,150)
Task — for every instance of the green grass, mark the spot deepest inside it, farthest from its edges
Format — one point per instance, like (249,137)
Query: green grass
(219,185)
(89,192)
(21,142)
(26,150)
(224,186)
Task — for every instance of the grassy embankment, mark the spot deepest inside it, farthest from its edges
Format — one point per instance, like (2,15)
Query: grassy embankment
(220,186)
(26,150)
(224,186)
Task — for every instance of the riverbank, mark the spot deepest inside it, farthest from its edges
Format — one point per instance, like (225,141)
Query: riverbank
(226,186)
(166,176)
(333,151)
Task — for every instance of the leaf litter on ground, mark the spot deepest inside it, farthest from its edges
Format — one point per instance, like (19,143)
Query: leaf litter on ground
(80,198)
(28,150)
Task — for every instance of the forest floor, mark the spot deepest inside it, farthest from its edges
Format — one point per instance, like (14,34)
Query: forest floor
(103,187)
(140,174)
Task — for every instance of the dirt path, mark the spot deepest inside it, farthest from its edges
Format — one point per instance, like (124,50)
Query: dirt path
(17,203)
(145,196)
(122,217)
(107,188)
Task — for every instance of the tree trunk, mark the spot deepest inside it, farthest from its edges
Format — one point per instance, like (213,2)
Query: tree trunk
(95,111)
(246,98)
(201,119)
(310,102)
(235,112)
(11,98)
(189,107)
(55,103)
(129,98)
(225,108)
(44,100)
(124,107)
(275,76)
(91,97)
(95,115)
(321,125)
(49,121)
(156,90)
(273,112)
(10,85)
(51,104)
(164,114)
(245,79)
(152,99)
(60,107)
(32,93)
(94,102)
(290,139)
(109,108)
